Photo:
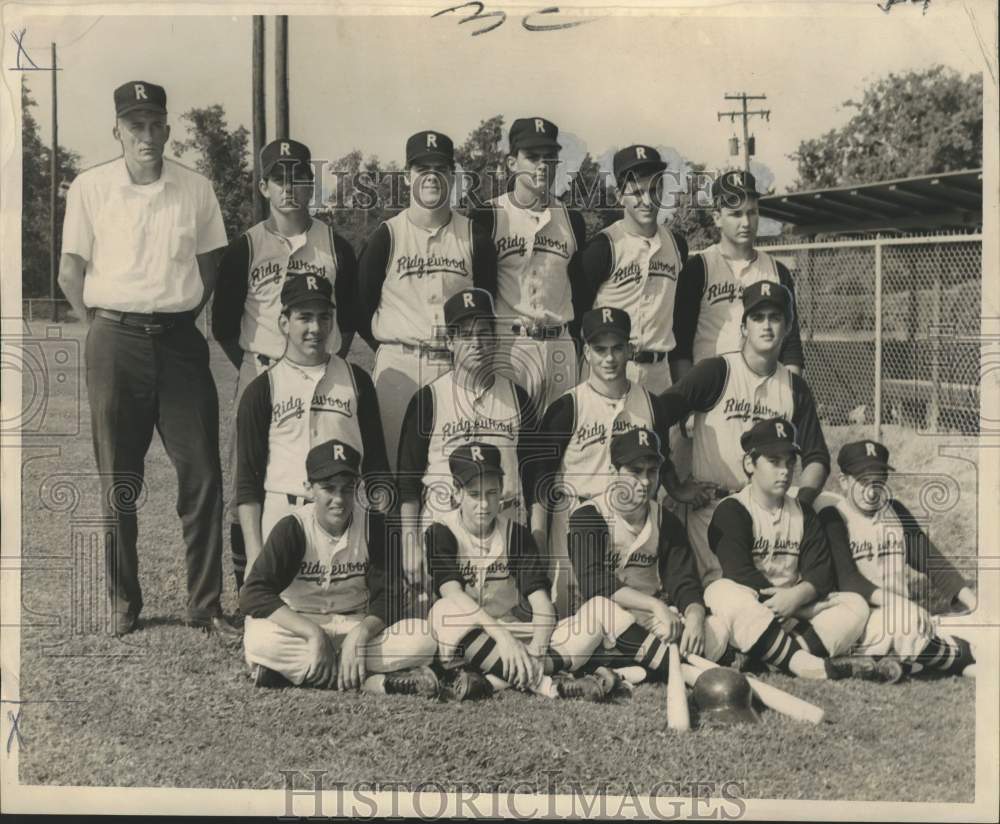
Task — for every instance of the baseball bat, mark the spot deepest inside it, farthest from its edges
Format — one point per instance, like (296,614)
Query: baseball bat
(678,715)
(772,697)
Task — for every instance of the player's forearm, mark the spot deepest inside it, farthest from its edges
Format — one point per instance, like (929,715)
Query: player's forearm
(471,612)
(804,593)
(208,268)
(71,275)
(413,547)
(249,516)
(630,598)
(811,482)
(287,618)
(233,351)
(369,627)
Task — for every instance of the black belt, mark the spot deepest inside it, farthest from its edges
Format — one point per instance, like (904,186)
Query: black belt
(263,360)
(152,323)
(296,500)
(538,332)
(649,357)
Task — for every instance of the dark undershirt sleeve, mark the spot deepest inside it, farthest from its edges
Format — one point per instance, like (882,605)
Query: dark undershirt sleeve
(687,306)
(698,391)
(924,556)
(595,269)
(253,425)
(791,349)
(815,563)
(661,426)
(682,247)
(678,570)
(484,260)
(588,545)
(730,535)
(274,569)
(814,448)
(375,466)
(557,429)
(485,217)
(442,556)
(230,296)
(849,578)
(346,286)
(384,590)
(371,276)
(530,570)
(414,445)
(527,445)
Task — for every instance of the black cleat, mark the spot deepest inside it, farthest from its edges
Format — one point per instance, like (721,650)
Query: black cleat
(612,683)
(417,681)
(467,685)
(585,688)
(865,668)
(268,678)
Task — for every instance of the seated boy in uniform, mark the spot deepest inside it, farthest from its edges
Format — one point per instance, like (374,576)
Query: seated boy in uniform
(880,552)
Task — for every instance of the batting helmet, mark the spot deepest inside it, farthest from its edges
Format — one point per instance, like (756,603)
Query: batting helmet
(723,694)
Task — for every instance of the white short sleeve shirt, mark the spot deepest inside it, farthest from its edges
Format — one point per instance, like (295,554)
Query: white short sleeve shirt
(141,241)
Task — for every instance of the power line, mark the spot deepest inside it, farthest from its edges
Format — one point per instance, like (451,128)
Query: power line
(744,114)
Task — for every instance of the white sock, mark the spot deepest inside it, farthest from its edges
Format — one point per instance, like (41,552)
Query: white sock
(375,683)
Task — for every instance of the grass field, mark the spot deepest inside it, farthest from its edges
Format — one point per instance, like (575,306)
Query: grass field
(167,707)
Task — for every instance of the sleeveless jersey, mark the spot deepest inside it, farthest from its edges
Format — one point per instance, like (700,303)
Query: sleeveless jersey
(643,282)
(308,409)
(877,546)
(747,398)
(332,577)
(425,269)
(271,260)
(775,542)
(635,556)
(533,254)
(459,417)
(721,308)
(586,464)
(485,564)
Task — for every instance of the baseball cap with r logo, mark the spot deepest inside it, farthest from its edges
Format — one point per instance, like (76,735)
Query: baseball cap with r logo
(332,458)
(140,95)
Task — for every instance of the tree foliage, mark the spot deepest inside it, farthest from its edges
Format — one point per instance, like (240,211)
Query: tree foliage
(589,191)
(223,159)
(920,122)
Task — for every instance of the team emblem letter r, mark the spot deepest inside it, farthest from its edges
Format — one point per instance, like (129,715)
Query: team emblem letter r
(640,153)
(606,315)
(643,439)
(432,141)
(286,150)
(338,452)
(539,125)
(779,429)
(870,450)
(469,301)
(477,454)
(140,92)
(766,289)
(312,284)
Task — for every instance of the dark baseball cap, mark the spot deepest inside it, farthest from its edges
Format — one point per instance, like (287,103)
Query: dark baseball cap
(857,457)
(332,458)
(299,289)
(606,319)
(731,189)
(473,460)
(430,145)
(772,436)
(635,444)
(469,303)
(294,156)
(767,291)
(638,160)
(533,133)
(140,95)
(723,694)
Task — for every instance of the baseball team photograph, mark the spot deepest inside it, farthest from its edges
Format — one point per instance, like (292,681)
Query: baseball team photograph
(483,410)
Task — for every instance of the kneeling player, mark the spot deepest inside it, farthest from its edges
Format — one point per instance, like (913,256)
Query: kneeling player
(320,596)
(484,565)
(626,547)
(775,594)
(878,548)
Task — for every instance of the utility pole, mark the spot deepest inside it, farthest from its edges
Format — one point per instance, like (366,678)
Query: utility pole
(745,115)
(281,76)
(54,188)
(259,114)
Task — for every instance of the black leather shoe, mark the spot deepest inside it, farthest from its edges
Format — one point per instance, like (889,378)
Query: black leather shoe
(216,625)
(123,624)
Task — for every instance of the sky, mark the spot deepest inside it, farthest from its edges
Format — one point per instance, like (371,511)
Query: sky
(370,81)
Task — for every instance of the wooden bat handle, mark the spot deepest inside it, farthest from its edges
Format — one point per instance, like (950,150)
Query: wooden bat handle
(678,715)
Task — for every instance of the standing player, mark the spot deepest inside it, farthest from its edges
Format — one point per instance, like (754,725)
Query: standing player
(626,547)
(307,398)
(139,254)
(472,402)
(707,305)
(247,301)
(877,546)
(576,434)
(730,393)
(411,265)
(775,596)
(494,614)
(537,239)
(633,265)
(321,601)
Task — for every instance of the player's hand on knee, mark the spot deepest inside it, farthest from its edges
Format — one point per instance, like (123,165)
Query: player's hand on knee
(667,624)
(695,494)
(352,671)
(513,658)
(323,661)
(783,602)
(693,637)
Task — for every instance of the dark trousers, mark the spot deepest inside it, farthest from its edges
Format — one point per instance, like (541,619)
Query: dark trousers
(135,382)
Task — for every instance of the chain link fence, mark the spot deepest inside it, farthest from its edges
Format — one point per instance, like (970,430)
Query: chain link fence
(891,329)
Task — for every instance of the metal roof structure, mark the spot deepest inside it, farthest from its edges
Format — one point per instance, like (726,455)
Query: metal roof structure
(908,204)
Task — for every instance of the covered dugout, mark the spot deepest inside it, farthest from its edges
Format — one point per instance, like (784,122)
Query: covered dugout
(889,283)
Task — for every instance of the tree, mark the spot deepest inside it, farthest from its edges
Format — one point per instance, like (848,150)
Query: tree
(36,161)
(589,192)
(921,122)
(222,158)
(482,157)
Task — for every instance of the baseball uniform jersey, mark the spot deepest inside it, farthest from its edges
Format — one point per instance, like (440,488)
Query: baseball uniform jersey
(708,307)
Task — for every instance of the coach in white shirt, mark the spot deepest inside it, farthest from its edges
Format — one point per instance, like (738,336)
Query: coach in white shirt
(140,246)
